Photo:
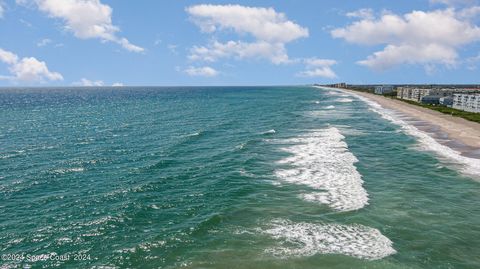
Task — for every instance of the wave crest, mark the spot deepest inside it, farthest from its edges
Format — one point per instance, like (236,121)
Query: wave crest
(321,160)
(307,239)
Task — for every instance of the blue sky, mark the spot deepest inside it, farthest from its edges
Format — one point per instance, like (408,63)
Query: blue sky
(106,42)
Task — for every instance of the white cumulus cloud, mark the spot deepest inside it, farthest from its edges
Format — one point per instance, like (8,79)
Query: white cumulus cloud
(271,31)
(204,71)
(88,83)
(318,68)
(276,53)
(86,19)
(118,84)
(8,57)
(27,69)
(418,37)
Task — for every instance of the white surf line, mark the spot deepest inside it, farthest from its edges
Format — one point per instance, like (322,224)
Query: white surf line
(307,239)
(321,160)
(469,166)
(344,100)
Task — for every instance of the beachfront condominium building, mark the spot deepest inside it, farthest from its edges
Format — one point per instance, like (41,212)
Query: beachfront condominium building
(467,102)
(434,95)
(383,89)
(409,93)
(416,94)
(399,92)
(341,85)
(404,92)
(420,93)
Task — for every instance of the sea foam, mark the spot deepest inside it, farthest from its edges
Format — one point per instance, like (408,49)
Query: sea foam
(69,170)
(308,239)
(321,160)
(344,100)
(269,132)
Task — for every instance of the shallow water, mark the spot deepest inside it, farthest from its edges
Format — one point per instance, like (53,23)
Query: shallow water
(236,177)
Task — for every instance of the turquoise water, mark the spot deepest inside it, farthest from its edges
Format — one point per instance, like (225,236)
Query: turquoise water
(236,177)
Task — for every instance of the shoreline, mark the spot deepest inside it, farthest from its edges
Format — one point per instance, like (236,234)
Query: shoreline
(456,133)
(459,129)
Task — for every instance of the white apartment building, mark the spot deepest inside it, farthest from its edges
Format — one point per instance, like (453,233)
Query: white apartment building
(412,94)
(467,102)
(404,93)
(416,94)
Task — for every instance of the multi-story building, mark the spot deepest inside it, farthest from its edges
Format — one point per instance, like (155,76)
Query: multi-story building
(340,85)
(404,93)
(446,101)
(416,94)
(413,94)
(431,99)
(467,102)
(433,96)
(383,89)
(399,92)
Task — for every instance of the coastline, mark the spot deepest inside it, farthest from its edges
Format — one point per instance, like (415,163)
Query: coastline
(451,138)
(458,129)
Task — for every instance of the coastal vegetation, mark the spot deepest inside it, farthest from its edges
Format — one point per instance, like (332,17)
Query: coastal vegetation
(471,116)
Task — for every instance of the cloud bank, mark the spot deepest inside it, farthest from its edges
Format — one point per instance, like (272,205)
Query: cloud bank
(26,69)
(418,37)
(270,30)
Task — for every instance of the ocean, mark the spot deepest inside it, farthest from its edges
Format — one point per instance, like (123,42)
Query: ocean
(227,177)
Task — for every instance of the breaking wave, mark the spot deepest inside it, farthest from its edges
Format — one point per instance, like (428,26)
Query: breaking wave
(307,239)
(269,132)
(344,100)
(321,160)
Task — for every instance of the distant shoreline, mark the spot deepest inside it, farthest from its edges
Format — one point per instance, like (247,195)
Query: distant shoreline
(460,131)
(465,131)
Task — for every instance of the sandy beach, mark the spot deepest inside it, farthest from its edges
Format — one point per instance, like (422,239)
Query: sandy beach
(458,129)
